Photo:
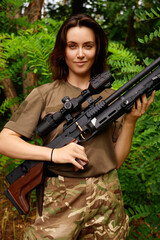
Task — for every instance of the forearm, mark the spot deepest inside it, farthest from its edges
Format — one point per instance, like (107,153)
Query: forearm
(14,146)
(124,142)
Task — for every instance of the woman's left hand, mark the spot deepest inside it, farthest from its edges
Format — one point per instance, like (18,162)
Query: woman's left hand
(140,107)
(123,144)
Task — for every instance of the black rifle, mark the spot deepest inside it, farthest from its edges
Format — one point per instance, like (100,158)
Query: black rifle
(97,116)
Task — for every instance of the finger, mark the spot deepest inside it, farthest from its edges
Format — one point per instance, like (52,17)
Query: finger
(77,164)
(134,106)
(76,145)
(151,99)
(144,99)
(81,156)
(144,105)
(80,147)
(138,105)
(77,151)
(82,163)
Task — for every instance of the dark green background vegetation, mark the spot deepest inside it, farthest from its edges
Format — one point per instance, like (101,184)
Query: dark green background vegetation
(27,34)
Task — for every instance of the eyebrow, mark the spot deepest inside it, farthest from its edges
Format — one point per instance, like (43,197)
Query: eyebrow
(84,42)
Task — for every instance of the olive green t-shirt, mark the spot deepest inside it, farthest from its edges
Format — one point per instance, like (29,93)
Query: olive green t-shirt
(47,99)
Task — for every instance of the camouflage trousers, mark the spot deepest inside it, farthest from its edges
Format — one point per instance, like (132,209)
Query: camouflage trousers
(81,208)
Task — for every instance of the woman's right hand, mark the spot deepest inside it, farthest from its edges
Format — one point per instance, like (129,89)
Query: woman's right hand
(69,154)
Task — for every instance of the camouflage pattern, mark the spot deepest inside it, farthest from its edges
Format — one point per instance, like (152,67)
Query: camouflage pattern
(77,208)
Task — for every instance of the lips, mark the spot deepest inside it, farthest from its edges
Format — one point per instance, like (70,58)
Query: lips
(80,63)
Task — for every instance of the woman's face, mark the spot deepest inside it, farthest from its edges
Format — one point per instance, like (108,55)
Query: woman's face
(80,50)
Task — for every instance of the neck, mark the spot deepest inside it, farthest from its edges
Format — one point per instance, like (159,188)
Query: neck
(79,81)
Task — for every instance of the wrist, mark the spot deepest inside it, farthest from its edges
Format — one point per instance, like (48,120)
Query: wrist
(51,158)
(130,120)
(47,154)
(53,155)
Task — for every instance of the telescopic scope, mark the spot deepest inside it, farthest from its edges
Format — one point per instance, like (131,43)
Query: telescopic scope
(96,85)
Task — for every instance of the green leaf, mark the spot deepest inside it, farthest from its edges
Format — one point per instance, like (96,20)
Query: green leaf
(156,33)
(35,70)
(154,12)
(151,36)
(131,211)
(149,14)
(146,39)
(140,40)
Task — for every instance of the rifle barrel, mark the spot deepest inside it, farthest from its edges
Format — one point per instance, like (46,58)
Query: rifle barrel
(131,82)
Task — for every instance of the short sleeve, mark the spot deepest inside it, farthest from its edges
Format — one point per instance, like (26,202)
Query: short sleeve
(26,118)
(117,126)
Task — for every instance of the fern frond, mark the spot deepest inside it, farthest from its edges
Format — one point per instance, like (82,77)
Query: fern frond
(121,54)
(31,47)
(7,104)
(146,15)
(123,62)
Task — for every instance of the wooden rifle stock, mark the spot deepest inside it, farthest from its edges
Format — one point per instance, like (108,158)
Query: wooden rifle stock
(19,189)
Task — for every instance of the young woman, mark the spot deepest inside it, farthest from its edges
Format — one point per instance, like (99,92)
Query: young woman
(83,204)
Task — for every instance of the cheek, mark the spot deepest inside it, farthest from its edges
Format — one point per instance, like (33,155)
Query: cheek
(69,55)
(92,54)
(91,57)
(68,60)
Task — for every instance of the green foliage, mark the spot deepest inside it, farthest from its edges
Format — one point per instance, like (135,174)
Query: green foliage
(123,59)
(140,176)
(150,37)
(8,11)
(7,104)
(58,10)
(148,16)
(31,47)
(124,64)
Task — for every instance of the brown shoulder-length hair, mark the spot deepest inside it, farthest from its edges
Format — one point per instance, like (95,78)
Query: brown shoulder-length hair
(57,58)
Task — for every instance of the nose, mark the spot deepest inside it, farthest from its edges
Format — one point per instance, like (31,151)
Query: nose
(80,53)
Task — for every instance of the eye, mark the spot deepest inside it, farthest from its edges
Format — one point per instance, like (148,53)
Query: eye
(88,46)
(72,46)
